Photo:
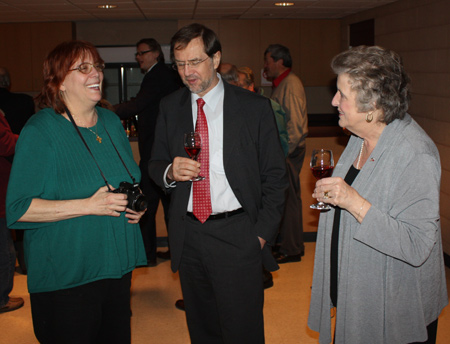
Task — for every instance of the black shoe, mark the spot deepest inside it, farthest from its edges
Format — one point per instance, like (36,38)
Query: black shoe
(281,259)
(13,304)
(276,248)
(151,262)
(163,255)
(180,305)
(267,279)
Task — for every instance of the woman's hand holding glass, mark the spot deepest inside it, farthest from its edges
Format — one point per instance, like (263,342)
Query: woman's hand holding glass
(340,194)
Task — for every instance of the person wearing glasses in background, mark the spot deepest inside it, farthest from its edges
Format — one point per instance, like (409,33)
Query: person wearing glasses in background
(158,82)
(218,226)
(81,241)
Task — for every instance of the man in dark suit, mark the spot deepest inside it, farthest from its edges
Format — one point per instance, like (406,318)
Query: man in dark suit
(219,226)
(18,107)
(158,82)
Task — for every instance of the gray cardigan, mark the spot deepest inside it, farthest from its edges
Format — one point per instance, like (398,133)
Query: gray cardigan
(391,282)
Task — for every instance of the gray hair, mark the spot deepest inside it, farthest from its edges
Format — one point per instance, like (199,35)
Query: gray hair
(378,77)
(278,51)
(229,73)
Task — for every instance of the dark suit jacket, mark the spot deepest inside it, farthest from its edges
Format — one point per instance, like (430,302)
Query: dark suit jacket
(253,160)
(18,108)
(157,84)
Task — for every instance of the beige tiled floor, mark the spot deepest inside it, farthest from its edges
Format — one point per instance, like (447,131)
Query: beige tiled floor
(156,320)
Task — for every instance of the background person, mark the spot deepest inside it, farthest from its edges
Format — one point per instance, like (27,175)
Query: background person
(7,253)
(229,73)
(18,108)
(219,226)
(81,241)
(246,79)
(158,82)
(379,253)
(288,91)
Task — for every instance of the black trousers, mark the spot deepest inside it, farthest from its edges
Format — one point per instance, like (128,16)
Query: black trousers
(432,333)
(93,313)
(291,228)
(220,275)
(154,194)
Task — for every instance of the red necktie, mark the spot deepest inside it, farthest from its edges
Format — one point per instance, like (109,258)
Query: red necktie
(201,192)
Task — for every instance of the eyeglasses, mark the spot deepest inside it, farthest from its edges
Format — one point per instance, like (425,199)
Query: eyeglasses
(140,53)
(192,63)
(86,67)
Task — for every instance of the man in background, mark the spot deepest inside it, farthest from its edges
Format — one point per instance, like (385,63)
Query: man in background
(288,91)
(229,73)
(7,253)
(18,108)
(158,82)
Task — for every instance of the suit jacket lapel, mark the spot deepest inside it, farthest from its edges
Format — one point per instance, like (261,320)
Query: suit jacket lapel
(185,116)
(232,122)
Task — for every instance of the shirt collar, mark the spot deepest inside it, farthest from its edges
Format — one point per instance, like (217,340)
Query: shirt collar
(151,67)
(280,78)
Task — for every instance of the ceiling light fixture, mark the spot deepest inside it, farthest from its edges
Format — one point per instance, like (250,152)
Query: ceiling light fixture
(284,4)
(106,7)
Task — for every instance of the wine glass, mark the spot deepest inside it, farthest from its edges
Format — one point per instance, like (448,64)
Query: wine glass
(193,146)
(322,165)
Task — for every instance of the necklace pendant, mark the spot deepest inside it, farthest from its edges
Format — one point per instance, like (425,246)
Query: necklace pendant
(99,139)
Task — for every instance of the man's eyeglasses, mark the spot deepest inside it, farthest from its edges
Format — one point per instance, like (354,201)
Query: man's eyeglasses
(140,53)
(86,67)
(192,63)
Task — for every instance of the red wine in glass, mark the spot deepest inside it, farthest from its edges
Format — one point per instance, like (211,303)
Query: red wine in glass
(193,152)
(193,146)
(322,172)
(322,165)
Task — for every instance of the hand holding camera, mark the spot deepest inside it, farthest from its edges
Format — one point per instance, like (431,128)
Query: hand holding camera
(136,200)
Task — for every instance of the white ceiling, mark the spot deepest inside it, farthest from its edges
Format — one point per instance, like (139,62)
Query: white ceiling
(86,10)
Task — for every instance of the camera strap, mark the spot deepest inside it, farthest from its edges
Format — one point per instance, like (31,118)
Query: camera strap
(90,152)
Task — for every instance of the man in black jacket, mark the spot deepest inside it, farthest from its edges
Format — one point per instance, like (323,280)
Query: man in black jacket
(219,226)
(18,107)
(158,82)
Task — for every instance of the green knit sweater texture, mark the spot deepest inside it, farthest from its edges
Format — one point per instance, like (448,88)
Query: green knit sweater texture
(52,163)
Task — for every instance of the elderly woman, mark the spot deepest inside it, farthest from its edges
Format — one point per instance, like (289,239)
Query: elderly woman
(81,240)
(379,256)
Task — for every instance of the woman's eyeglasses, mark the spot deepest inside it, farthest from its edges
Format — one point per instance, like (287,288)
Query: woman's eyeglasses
(86,67)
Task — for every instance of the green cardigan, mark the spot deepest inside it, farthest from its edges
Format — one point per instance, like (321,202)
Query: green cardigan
(52,163)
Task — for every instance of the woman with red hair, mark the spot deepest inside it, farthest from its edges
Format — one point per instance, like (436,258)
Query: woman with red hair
(82,241)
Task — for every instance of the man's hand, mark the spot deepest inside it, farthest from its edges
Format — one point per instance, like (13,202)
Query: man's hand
(262,242)
(183,169)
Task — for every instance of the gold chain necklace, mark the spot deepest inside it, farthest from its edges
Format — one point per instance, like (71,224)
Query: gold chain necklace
(98,138)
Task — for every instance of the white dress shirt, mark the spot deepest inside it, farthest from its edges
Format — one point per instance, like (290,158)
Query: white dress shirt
(222,197)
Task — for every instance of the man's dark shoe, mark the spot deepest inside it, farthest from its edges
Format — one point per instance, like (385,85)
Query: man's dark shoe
(13,304)
(180,305)
(163,255)
(281,258)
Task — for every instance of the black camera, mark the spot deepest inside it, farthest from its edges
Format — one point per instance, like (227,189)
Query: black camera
(136,199)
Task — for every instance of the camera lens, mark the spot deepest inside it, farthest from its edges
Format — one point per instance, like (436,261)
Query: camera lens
(140,203)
